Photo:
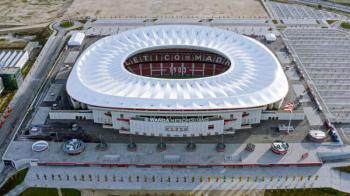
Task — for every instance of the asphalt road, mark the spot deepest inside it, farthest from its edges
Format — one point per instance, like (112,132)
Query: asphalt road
(29,89)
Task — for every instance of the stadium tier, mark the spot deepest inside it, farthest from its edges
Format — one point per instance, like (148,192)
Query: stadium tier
(176,81)
(177,63)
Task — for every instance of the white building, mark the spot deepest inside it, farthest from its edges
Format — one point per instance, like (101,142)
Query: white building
(76,39)
(177,80)
(270,37)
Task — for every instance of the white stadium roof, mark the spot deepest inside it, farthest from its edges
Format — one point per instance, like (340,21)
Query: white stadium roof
(254,79)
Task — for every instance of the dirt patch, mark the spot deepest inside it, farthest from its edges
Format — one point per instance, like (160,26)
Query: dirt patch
(31,11)
(155,8)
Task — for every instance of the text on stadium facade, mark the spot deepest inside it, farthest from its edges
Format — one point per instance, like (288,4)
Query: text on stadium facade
(167,120)
(173,57)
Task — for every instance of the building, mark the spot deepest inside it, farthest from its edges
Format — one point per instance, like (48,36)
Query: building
(71,57)
(11,77)
(2,87)
(13,58)
(270,37)
(76,39)
(177,80)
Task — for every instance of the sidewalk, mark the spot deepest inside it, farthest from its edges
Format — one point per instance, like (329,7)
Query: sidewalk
(188,179)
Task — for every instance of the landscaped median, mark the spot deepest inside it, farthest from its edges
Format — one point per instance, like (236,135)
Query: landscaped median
(345,25)
(66,24)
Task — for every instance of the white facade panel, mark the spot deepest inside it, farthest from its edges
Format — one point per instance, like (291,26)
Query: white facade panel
(176,129)
(70,115)
(283,116)
(128,121)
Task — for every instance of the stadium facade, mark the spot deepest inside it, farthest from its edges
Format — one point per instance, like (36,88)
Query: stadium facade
(177,80)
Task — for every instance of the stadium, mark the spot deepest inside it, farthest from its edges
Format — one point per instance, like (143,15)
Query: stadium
(177,81)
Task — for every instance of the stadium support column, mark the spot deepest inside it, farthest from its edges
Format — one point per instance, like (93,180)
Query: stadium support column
(75,104)
(270,106)
(278,104)
(289,122)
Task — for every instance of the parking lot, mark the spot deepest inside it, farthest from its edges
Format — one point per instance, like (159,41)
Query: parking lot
(293,11)
(324,54)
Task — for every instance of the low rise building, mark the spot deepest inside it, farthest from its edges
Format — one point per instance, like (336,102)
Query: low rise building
(13,58)
(11,77)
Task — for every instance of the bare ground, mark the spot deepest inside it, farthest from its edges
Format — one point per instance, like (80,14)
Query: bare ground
(28,12)
(166,8)
(31,11)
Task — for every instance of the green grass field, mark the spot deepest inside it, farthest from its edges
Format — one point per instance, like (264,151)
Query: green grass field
(344,169)
(306,192)
(66,24)
(49,192)
(4,44)
(345,25)
(13,181)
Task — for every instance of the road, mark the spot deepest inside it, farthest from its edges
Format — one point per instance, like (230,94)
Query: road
(30,88)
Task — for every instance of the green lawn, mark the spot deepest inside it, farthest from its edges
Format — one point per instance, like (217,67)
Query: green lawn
(5,44)
(345,25)
(343,2)
(66,24)
(344,169)
(49,192)
(331,21)
(25,70)
(70,192)
(40,191)
(306,192)
(13,181)
(5,99)
(41,35)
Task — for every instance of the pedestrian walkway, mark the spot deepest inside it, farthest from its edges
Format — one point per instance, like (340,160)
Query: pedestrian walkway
(188,179)
(20,153)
